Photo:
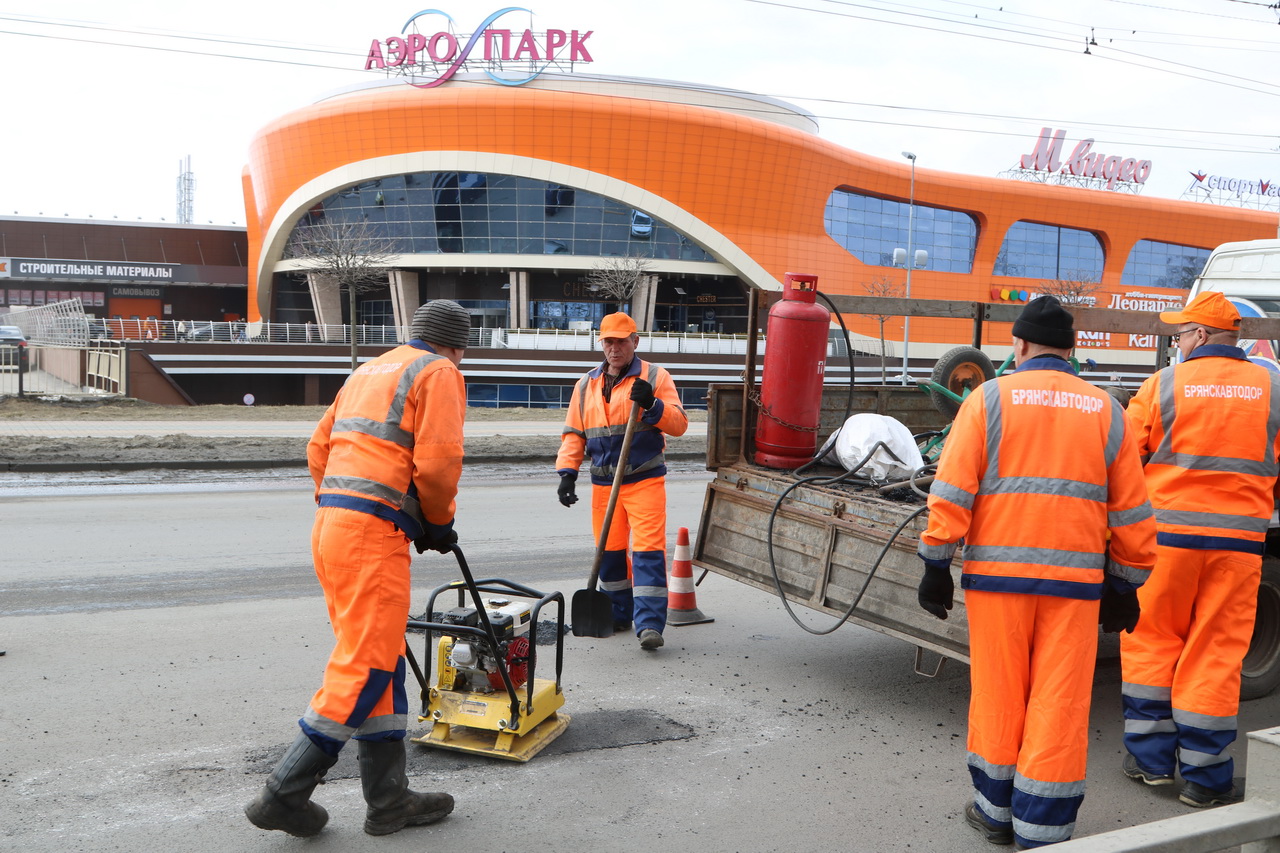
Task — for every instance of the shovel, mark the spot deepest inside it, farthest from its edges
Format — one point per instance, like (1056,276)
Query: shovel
(591,610)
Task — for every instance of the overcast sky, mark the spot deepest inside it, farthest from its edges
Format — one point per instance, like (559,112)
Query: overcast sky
(104,100)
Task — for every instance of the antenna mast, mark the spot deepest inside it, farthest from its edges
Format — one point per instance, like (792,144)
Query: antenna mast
(186,193)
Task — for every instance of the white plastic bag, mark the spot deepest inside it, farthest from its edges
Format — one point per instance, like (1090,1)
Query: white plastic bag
(847,446)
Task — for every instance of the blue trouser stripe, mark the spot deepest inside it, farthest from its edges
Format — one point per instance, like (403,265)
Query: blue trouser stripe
(648,569)
(1044,820)
(997,794)
(1213,767)
(374,687)
(1153,746)
(613,579)
(331,745)
(1158,740)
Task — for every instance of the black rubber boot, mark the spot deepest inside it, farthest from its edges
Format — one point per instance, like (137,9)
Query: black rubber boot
(285,801)
(392,806)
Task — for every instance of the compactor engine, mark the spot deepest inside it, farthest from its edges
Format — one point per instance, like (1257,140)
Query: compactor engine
(468,665)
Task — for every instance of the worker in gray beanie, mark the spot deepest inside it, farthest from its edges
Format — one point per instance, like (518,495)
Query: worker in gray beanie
(441,321)
(386,458)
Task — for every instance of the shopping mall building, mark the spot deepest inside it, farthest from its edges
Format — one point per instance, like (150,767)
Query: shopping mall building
(505,198)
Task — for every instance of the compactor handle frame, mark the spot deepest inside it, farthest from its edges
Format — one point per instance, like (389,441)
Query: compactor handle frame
(469,586)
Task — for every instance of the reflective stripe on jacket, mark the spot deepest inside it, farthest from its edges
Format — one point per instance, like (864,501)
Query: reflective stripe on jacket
(1038,466)
(391,443)
(595,427)
(1207,430)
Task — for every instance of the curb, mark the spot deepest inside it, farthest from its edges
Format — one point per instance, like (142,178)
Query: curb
(18,467)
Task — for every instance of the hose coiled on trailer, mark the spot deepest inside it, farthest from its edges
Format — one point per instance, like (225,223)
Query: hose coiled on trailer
(832,481)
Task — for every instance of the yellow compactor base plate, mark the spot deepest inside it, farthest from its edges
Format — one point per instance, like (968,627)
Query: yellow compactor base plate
(469,722)
(496,744)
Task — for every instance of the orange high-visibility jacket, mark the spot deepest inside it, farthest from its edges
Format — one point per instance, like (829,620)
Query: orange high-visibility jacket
(1207,430)
(392,440)
(594,425)
(1038,467)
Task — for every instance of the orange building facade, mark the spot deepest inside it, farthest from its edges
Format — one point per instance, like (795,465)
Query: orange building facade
(717,191)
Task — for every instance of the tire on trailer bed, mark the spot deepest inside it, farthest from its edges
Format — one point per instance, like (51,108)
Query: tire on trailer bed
(959,369)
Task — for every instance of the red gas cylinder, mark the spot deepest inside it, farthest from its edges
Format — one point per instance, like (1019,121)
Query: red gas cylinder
(795,356)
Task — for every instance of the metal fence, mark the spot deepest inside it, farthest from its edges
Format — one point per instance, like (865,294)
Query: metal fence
(62,355)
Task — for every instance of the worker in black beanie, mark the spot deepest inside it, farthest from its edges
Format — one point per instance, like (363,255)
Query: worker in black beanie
(1044,321)
(1039,469)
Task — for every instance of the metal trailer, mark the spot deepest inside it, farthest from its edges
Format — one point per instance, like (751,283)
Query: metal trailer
(827,539)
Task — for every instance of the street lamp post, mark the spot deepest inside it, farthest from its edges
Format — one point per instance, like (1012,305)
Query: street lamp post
(911,221)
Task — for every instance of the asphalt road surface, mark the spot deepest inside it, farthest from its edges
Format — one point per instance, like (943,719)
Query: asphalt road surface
(163,635)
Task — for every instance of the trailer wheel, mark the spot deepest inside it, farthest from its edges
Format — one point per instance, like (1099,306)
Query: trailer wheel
(1260,674)
(959,369)
(1120,395)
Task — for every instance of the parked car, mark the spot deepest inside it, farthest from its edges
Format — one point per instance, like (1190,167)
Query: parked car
(641,225)
(99,330)
(13,346)
(556,198)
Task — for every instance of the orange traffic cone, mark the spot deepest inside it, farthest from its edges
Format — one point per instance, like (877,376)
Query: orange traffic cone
(682,606)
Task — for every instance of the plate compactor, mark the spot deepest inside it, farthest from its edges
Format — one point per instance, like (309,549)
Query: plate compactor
(486,698)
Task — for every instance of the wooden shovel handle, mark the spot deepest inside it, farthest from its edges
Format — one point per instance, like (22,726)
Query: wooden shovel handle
(632,418)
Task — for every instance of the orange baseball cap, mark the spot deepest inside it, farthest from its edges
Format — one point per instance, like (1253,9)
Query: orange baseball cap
(616,325)
(1210,309)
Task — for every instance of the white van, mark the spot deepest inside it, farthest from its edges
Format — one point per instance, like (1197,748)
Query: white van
(1248,272)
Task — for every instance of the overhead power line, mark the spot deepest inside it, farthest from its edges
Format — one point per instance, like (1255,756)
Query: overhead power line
(1048,34)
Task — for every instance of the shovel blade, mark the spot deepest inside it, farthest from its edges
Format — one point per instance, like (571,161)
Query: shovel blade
(591,613)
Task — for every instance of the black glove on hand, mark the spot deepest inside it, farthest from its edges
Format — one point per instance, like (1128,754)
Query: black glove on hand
(937,589)
(568,497)
(642,393)
(437,537)
(1119,611)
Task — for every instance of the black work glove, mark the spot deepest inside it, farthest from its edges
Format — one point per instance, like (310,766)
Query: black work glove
(937,589)
(642,393)
(568,497)
(437,537)
(1119,611)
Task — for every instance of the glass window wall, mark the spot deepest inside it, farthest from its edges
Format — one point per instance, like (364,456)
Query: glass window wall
(545,314)
(492,395)
(1033,250)
(870,228)
(474,213)
(1155,264)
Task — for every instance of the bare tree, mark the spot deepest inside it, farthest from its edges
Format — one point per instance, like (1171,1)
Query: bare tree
(883,286)
(351,254)
(1071,291)
(618,278)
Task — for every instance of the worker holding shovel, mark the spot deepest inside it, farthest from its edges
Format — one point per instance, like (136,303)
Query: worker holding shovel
(629,501)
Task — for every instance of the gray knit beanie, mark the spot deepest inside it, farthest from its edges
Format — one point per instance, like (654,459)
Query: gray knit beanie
(441,321)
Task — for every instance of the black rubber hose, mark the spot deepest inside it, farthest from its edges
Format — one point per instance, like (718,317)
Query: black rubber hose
(831,481)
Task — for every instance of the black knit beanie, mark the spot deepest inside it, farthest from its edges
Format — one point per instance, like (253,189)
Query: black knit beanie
(441,321)
(1044,321)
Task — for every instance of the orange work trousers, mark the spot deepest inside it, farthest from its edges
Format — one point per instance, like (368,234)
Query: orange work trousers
(1031,670)
(640,520)
(1181,665)
(362,563)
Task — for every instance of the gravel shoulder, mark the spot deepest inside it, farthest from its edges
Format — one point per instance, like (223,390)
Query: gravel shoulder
(32,453)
